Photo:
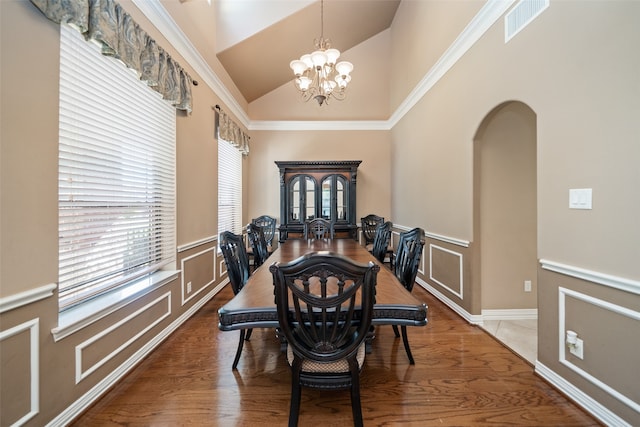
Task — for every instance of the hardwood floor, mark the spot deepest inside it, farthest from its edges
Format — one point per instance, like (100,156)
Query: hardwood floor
(462,377)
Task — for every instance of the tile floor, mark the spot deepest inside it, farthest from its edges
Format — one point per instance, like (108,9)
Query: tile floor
(521,336)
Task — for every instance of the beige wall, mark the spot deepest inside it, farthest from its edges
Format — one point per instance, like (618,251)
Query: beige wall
(29,138)
(574,69)
(421,33)
(374,175)
(586,125)
(506,226)
(367,94)
(28,253)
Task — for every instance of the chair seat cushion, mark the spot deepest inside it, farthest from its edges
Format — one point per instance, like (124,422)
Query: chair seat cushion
(338,366)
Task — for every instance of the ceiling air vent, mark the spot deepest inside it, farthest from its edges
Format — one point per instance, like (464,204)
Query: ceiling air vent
(521,15)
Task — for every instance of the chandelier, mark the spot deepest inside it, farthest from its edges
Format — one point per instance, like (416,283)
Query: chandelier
(318,76)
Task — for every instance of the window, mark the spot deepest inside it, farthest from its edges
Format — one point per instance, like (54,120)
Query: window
(116,183)
(229,187)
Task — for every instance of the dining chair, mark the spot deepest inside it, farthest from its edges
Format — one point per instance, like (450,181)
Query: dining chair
(407,261)
(318,228)
(268,225)
(258,245)
(237,262)
(369,226)
(325,304)
(381,249)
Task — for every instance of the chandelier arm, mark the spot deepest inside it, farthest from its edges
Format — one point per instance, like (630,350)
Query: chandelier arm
(321,80)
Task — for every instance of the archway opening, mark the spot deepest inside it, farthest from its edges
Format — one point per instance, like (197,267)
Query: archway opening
(505,225)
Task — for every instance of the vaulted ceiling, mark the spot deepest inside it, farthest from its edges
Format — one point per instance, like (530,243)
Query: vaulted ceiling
(256,39)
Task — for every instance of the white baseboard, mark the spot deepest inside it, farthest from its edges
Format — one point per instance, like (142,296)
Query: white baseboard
(579,397)
(510,314)
(80,405)
(471,318)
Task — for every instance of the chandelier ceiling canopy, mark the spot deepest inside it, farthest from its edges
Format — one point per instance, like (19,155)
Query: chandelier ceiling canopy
(317,75)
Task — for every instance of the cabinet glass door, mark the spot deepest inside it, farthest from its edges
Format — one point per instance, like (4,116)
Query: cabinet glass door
(326,198)
(334,198)
(295,200)
(310,199)
(341,199)
(302,199)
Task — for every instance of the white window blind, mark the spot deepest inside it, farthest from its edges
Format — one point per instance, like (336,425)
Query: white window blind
(229,187)
(116,174)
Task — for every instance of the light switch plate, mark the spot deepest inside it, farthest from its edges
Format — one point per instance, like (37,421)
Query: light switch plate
(580,198)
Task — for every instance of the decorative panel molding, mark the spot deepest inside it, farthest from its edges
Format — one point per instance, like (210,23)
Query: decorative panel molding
(564,295)
(83,373)
(471,318)
(31,383)
(589,404)
(85,401)
(26,297)
(191,245)
(222,267)
(75,319)
(455,282)
(207,256)
(621,283)
(447,239)
(490,13)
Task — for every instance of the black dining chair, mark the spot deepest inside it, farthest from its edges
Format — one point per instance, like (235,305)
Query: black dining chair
(237,262)
(369,226)
(258,244)
(405,268)
(381,249)
(318,228)
(268,225)
(325,304)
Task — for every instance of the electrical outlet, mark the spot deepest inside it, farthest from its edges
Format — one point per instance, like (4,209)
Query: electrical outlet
(189,287)
(577,349)
(527,285)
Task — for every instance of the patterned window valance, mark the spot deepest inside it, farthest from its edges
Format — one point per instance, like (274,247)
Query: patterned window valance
(106,22)
(231,132)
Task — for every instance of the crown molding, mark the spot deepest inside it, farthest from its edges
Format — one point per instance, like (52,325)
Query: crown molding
(160,18)
(287,125)
(481,22)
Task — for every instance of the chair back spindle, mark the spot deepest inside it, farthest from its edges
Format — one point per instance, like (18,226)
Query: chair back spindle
(370,224)
(258,245)
(235,258)
(325,305)
(319,229)
(268,225)
(381,241)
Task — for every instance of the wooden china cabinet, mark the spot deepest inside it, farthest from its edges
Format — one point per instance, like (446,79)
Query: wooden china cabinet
(317,189)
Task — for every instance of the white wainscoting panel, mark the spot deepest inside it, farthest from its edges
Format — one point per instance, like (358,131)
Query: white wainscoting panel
(581,398)
(563,294)
(185,296)
(33,328)
(458,292)
(81,374)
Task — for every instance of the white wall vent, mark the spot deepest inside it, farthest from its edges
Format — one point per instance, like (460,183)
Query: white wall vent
(521,15)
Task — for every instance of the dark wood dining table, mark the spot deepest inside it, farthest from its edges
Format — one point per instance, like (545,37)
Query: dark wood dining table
(254,305)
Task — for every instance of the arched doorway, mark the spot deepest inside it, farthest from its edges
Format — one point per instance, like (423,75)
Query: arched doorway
(505,224)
